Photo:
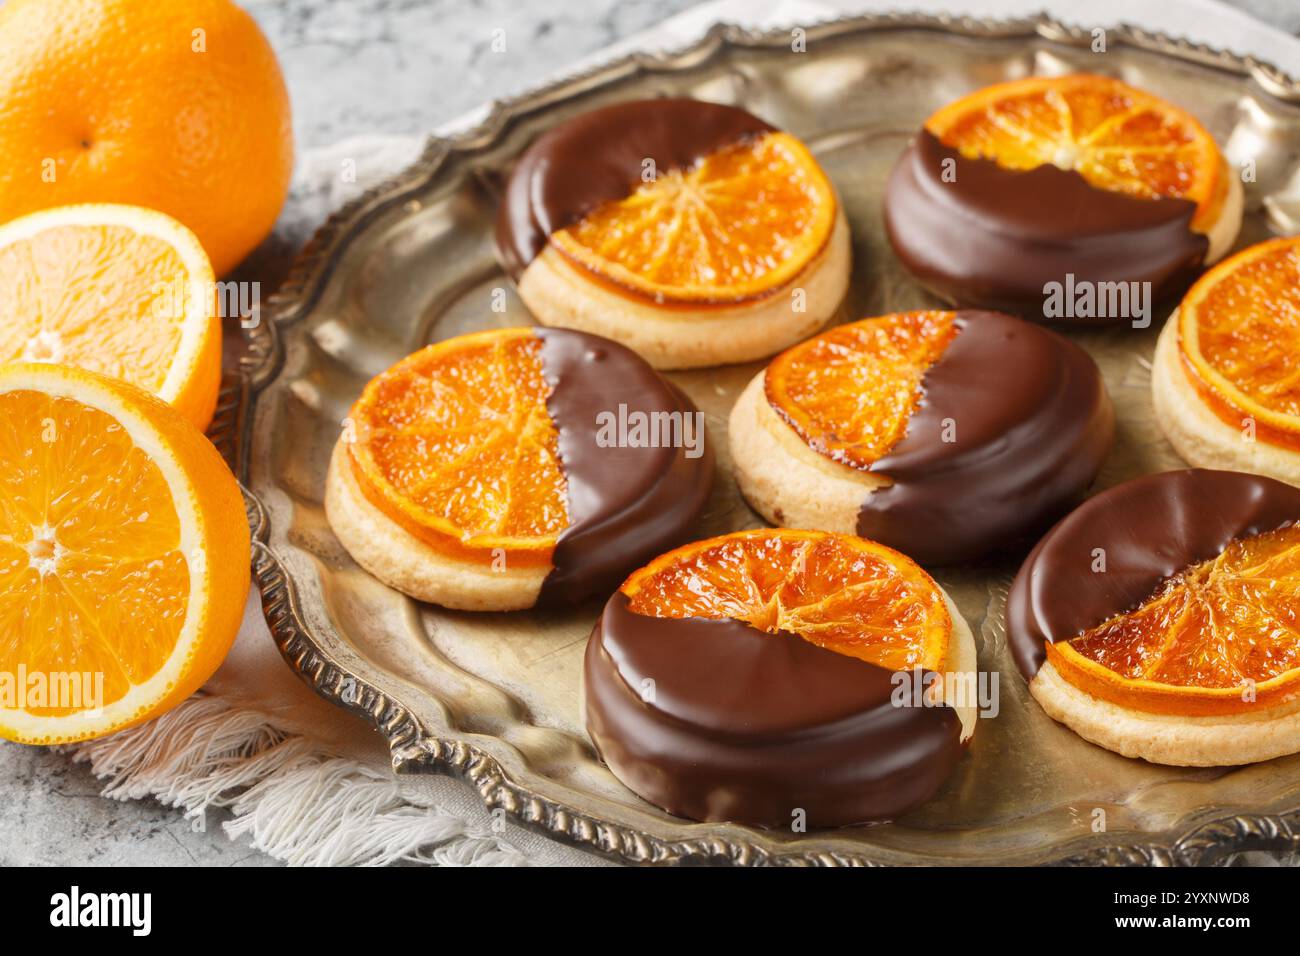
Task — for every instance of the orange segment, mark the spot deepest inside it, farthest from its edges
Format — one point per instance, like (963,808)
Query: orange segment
(1239,335)
(840,592)
(1116,137)
(1207,634)
(115,289)
(455,444)
(849,392)
(739,225)
(123,555)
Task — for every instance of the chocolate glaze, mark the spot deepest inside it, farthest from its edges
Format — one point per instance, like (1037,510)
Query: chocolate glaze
(995,237)
(626,504)
(1150,529)
(747,726)
(1032,423)
(597,157)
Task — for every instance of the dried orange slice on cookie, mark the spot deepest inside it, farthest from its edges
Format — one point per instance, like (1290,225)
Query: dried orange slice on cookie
(123,555)
(1034,195)
(1200,667)
(768,675)
(492,470)
(120,290)
(1224,381)
(905,428)
(692,232)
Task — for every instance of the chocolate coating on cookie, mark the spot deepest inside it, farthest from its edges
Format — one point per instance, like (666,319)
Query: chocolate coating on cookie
(1147,530)
(627,501)
(747,726)
(1013,425)
(991,237)
(600,157)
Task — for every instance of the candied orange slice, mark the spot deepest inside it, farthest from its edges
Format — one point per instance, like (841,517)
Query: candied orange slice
(123,555)
(1239,335)
(1220,637)
(456,445)
(849,392)
(837,591)
(1116,137)
(739,225)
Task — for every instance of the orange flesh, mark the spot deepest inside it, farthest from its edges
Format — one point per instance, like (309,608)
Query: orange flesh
(92,578)
(1116,137)
(93,296)
(455,444)
(840,592)
(849,392)
(1210,632)
(739,225)
(1239,335)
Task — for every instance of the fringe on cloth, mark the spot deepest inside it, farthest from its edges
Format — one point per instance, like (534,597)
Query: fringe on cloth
(298,802)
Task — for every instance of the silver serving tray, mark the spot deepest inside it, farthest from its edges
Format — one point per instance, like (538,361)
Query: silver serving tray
(494,698)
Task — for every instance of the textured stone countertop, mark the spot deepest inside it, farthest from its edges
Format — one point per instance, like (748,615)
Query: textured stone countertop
(353,66)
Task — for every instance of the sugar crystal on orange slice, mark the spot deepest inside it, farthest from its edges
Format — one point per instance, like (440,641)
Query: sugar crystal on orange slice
(1116,137)
(1239,338)
(849,392)
(740,224)
(1219,637)
(456,445)
(840,592)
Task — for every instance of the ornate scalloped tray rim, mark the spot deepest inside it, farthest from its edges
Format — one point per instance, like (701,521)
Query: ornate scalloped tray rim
(413,749)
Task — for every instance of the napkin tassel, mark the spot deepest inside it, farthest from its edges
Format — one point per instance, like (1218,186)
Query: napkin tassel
(293,798)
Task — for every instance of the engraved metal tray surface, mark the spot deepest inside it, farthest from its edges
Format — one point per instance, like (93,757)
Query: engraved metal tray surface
(494,698)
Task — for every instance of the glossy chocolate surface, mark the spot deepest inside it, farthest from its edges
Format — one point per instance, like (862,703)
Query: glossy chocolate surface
(1013,426)
(992,237)
(627,503)
(1147,529)
(747,726)
(600,156)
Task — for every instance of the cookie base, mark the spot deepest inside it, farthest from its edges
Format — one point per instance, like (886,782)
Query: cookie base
(783,479)
(1178,741)
(404,562)
(563,295)
(1199,436)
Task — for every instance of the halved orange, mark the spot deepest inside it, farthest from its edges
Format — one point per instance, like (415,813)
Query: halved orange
(849,392)
(456,445)
(739,225)
(1220,637)
(1116,137)
(840,592)
(1239,335)
(123,555)
(121,290)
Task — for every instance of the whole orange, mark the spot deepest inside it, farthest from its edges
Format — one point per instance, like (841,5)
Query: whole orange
(177,105)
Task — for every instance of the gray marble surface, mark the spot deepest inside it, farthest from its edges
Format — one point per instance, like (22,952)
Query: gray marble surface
(353,66)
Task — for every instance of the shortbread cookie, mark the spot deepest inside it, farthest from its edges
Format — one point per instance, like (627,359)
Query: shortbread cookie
(1157,620)
(694,233)
(1224,379)
(501,469)
(1062,199)
(764,677)
(947,435)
